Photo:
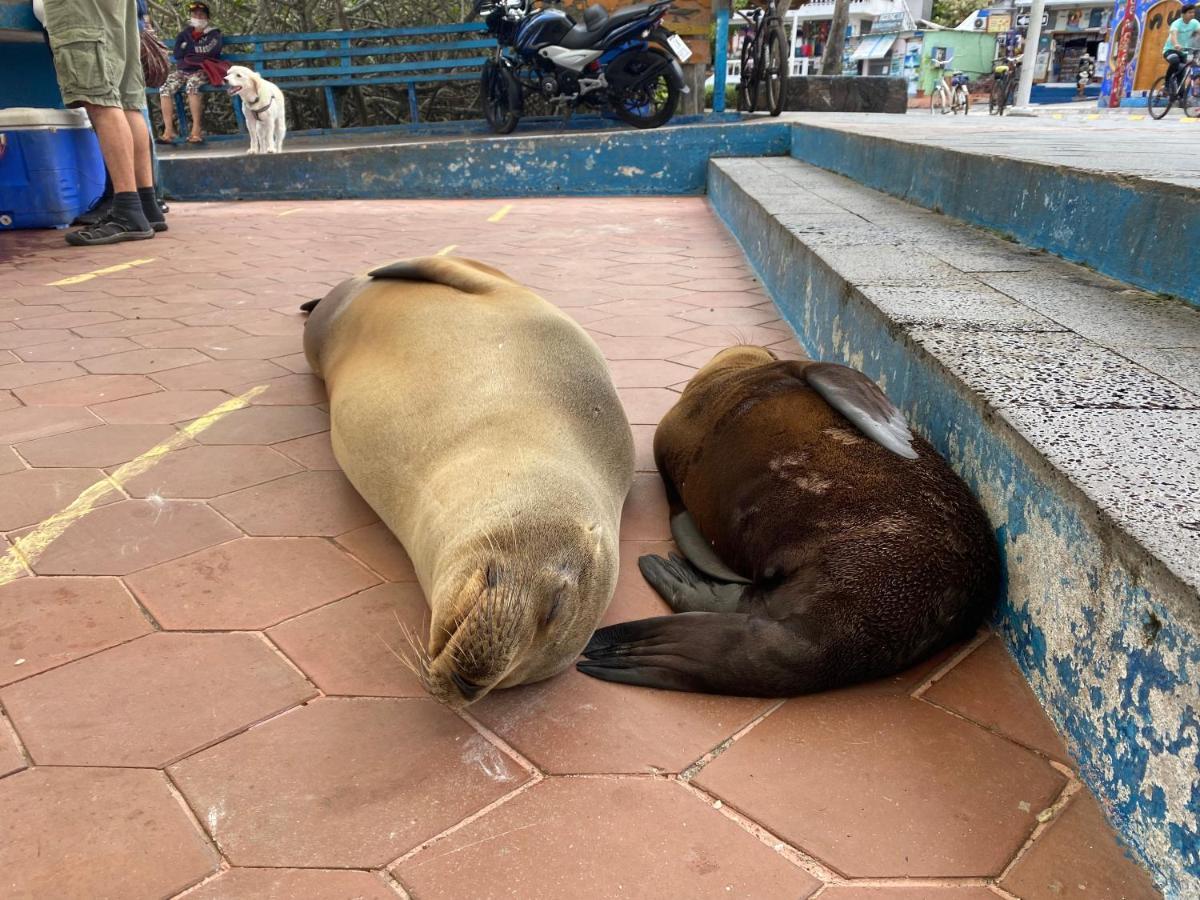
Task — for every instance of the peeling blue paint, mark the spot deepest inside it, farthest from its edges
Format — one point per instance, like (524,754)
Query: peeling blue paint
(1115,224)
(1107,639)
(664,161)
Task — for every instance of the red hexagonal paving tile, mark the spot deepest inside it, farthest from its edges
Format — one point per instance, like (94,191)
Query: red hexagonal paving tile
(142,362)
(32,495)
(219,375)
(266,425)
(641,347)
(127,327)
(376,547)
(731,315)
(307,503)
(9,461)
(1078,857)
(267,347)
(206,472)
(290,390)
(988,688)
(197,337)
(109,445)
(358,646)
(160,408)
(641,326)
(251,583)
(153,700)
(8,400)
(28,337)
(646,516)
(93,832)
(75,348)
(71,319)
(131,535)
(648,373)
(905,789)
(11,757)
(313,452)
(28,423)
(87,389)
(294,884)
(343,783)
(647,406)
(853,891)
(602,837)
(45,622)
(25,374)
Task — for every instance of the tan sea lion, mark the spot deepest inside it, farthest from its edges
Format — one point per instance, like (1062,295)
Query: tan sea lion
(825,544)
(483,427)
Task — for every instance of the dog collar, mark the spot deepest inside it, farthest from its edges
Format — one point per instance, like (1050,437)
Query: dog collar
(261,109)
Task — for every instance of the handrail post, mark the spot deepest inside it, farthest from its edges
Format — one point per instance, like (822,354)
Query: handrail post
(721,56)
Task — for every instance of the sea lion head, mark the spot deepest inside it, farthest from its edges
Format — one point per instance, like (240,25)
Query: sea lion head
(518,609)
(739,356)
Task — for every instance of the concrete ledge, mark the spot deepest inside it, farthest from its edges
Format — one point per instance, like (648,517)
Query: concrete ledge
(1116,224)
(668,160)
(846,93)
(1084,460)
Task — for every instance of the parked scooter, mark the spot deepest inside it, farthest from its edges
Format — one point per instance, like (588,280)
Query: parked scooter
(626,61)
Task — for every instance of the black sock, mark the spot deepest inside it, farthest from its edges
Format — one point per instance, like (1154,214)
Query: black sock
(150,207)
(127,206)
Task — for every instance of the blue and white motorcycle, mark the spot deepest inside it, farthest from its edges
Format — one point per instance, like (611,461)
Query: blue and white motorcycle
(626,61)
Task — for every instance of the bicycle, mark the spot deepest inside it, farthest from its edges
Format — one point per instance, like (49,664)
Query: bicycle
(763,59)
(1185,90)
(1004,84)
(949,95)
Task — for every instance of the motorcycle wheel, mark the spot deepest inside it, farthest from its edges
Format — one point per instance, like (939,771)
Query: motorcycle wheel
(650,104)
(500,93)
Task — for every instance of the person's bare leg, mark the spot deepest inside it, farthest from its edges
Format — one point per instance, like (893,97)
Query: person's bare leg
(143,167)
(166,102)
(116,145)
(196,105)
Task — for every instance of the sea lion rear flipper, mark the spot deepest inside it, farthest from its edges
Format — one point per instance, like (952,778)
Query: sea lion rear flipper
(309,305)
(716,653)
(861,401)
(697,550)
(685,589)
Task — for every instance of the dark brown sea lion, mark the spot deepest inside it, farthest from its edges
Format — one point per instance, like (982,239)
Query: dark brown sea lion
(825,544)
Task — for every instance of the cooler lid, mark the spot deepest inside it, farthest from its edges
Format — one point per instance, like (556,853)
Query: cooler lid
(28,117)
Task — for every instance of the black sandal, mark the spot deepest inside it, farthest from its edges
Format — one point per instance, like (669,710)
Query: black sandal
(109,231)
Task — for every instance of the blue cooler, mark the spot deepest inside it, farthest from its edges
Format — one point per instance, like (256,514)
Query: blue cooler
(51,169)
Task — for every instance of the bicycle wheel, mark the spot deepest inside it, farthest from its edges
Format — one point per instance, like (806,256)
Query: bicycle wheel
(774,70)
(1191,98)
(1159,99)
(996,97)
(962,100)
(747,92)
(937,103)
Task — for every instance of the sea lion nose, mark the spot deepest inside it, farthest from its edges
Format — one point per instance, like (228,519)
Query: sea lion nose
(468,689)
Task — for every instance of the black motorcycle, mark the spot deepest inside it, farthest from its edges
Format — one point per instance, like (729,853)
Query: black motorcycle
(626,61)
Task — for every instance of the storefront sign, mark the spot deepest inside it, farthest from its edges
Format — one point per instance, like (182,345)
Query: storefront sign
(889,23)
(998,22)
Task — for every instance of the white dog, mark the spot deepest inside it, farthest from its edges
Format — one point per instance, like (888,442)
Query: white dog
(262,104)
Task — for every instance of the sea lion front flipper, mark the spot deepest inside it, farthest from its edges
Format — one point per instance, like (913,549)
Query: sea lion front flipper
(861,401)
(686,590)
(692,544)
(716,653)
(465,275)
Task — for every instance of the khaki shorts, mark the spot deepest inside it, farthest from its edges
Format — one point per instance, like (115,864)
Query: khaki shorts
(97,53)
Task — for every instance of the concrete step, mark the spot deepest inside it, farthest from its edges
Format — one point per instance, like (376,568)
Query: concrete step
(1116,197)
(1071,404)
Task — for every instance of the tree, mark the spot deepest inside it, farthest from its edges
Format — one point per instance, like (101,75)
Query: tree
(951,12)
(831,61)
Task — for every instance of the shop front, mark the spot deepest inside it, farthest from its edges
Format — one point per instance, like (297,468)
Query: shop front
(1135,61)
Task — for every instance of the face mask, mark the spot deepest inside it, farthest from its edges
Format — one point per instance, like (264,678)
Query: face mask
(197,23)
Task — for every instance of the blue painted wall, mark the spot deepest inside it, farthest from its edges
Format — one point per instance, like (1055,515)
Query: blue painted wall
(1117,226)
(667,161)
(1096,629)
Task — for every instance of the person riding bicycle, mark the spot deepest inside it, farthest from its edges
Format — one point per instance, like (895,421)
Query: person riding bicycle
(1181,39)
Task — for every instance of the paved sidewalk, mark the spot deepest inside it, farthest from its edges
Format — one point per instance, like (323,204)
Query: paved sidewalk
(199,689)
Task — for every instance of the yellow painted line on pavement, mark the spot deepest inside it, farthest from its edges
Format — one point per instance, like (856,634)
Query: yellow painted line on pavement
(27,550)
(447,250)
(1056,115)
(88,276)
(1186,119)
(1136,118)
(500,213)
(288,212)
(1092,116)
